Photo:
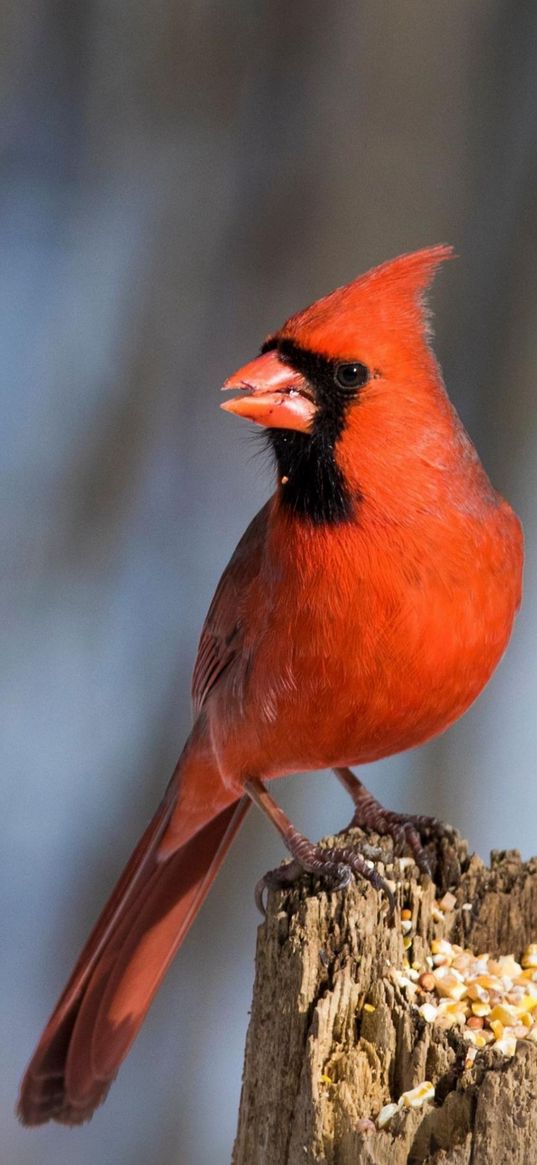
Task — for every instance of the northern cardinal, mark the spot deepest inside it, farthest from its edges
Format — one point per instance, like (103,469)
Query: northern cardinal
(362,612)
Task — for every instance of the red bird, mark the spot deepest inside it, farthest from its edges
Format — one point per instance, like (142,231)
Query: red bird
(362,612)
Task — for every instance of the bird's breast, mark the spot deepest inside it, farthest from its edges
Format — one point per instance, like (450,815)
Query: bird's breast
(371,645)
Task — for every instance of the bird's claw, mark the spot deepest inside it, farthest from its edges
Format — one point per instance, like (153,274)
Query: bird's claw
(335,866)
(278,879)
(429,841)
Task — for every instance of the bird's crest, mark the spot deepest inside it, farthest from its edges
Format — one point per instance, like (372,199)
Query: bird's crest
(386,302)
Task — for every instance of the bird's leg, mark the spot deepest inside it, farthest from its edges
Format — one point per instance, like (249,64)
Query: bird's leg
(335,864)
(410,831)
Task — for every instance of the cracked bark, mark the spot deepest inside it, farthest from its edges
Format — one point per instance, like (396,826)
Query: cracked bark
(317,1064)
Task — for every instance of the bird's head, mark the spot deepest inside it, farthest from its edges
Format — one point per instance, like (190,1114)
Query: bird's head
(345,385)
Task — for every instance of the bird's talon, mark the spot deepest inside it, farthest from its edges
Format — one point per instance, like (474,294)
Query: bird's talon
(424,838)
(259,893)
(341,878)
(336,867)
(423,864)
(390,898)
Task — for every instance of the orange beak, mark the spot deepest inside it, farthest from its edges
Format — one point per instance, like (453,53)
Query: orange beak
(275,395)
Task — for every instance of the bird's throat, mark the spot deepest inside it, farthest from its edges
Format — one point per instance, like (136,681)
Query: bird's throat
(312,485)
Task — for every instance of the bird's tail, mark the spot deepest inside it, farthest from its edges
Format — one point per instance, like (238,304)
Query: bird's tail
(121,967)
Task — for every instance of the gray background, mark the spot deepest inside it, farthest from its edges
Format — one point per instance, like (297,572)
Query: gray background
(177,178)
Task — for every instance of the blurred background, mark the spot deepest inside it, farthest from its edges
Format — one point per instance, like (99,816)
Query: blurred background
(177,179)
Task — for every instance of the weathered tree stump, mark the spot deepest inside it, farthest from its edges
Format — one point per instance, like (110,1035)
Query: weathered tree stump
(319,1066)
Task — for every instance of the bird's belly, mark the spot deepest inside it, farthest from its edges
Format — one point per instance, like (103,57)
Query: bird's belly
(373,686)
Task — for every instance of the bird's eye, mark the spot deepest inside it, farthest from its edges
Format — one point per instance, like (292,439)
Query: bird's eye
(350,376)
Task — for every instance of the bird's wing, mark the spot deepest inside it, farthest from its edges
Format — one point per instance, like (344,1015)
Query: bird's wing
(222,635)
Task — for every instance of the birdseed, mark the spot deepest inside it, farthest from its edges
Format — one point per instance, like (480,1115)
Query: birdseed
(492,999)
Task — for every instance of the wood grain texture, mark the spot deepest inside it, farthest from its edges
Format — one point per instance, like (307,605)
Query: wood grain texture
(320,957)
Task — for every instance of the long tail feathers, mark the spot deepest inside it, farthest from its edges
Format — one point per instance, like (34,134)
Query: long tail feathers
(120,969)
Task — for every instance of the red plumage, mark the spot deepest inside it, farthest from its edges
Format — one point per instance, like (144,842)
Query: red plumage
(339,634)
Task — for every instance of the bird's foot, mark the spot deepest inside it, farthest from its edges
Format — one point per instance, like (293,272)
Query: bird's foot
(431,843)
(411,833)
(335,865)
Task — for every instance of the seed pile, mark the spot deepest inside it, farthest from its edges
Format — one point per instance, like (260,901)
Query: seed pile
(493,1000)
